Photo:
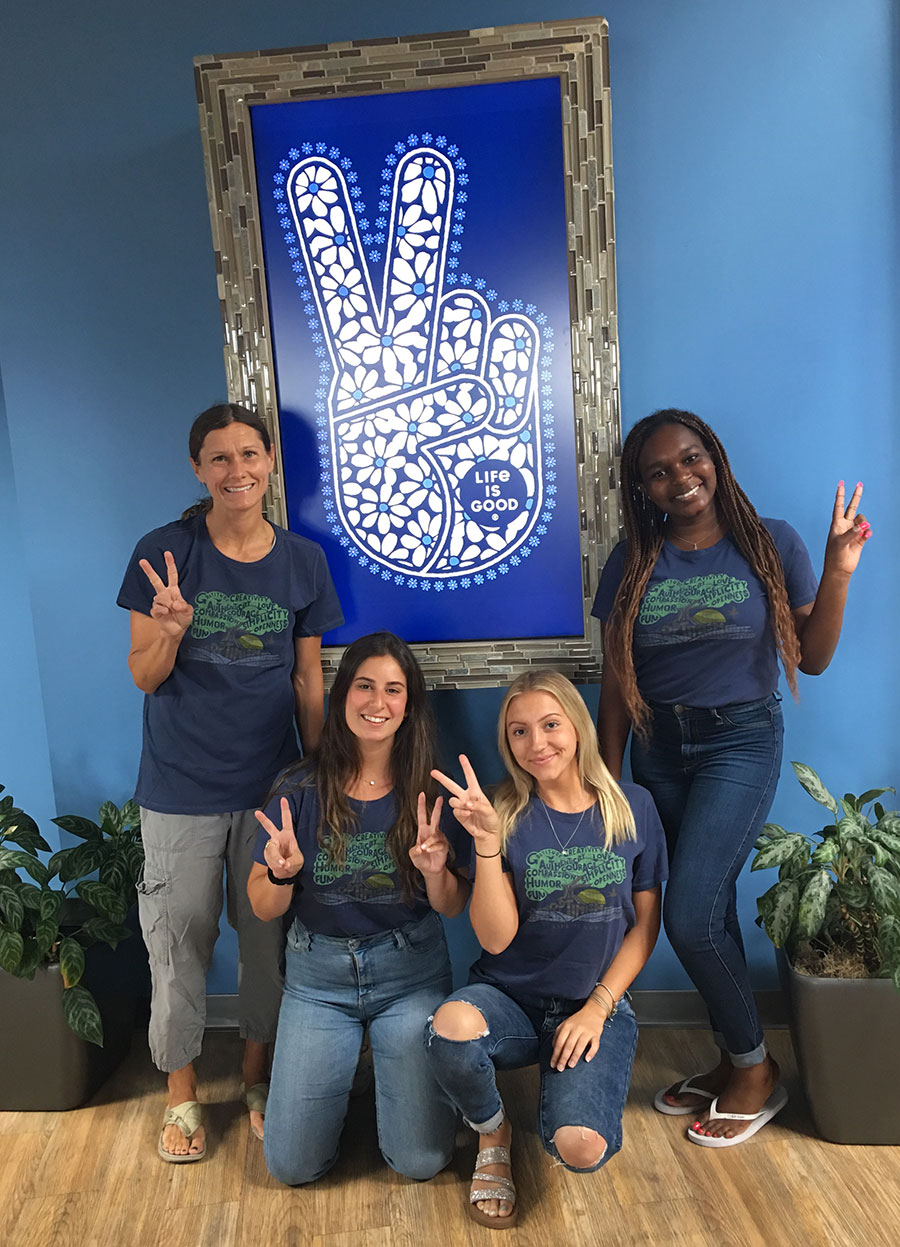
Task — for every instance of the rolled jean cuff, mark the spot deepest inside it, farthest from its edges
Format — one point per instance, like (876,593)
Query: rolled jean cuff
(743,1060)
(489,1126)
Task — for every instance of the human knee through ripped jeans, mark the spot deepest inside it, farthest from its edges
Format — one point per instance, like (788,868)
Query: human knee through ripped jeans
(590,1094)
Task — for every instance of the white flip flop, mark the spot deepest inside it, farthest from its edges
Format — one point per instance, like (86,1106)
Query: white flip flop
(773,1105)
(679,1110)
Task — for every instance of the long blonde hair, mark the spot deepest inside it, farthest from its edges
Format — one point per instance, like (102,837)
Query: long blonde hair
(514,793)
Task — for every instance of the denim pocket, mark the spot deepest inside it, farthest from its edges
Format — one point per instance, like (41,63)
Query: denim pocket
(753,713)
(297,938)
(424,936)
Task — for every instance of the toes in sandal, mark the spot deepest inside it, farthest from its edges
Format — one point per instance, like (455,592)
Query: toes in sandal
(188,1117)
(500,1188)
(255,1098)
(773,1105)
(678,1110)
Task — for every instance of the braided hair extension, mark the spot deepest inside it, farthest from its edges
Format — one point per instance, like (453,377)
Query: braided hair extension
(644,536)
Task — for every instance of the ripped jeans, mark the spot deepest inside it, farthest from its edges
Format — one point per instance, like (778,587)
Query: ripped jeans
(590,1094)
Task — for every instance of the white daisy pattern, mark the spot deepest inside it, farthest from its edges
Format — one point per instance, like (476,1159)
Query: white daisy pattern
(432,416)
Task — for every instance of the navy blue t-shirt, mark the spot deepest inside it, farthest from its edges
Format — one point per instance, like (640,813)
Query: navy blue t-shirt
(575,902)
(366,896)
(702,636)
(221,726)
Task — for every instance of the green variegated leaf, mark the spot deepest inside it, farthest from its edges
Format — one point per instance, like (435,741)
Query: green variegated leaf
(780,911)
(889,939)
(889,822)
(31,896)
(111,817)
(46,933)
(814,786)
(895,977)
(27,835)
(853,895)
(811,910)
(11,908)
(13,859)
(848,805)
(778,851)
(31,959)
(106,930)
(11,948)
(771,831)
(75,825)
(879,853)
(83,1015)
(825,853)
(885,889)
(108,903)
(131,815)
(49,904)
(83,860)
(889,839)
(115,875)
(71,960)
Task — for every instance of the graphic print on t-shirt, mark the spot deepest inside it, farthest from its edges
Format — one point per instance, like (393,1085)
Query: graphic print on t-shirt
(580,882)
(241,624)
(367,875)
(700,608)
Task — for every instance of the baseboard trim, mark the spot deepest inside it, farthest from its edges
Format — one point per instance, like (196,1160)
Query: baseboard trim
(653,1008)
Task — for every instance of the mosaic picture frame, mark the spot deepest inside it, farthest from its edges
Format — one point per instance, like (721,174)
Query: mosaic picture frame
(574,55)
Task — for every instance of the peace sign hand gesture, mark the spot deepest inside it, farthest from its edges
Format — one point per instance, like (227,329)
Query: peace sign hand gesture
(472,809)
(848,534)
(429,853)
(282,853)
(173,614)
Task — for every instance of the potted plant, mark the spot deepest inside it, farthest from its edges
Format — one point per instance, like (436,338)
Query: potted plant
(835,913)
(60,1039)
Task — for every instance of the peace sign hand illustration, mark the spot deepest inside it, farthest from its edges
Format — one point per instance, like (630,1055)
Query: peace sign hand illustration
(173,614)
(434,407)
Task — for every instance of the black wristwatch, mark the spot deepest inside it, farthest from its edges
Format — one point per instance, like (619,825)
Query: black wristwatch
(282,883)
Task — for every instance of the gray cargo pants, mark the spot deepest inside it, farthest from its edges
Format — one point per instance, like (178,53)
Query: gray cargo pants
(179,902)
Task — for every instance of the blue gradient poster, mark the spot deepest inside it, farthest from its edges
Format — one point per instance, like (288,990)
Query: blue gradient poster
(415,252)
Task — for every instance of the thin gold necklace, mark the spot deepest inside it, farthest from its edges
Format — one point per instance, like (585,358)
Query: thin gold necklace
(695,545)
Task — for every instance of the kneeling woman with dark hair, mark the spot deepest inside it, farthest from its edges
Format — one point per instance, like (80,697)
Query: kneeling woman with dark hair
(565,904)
(349,846)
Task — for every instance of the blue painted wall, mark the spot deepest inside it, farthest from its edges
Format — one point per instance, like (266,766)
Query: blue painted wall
(755,172)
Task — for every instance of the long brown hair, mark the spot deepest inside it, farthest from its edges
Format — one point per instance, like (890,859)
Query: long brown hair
(335,764)
(514,793)
(644,536)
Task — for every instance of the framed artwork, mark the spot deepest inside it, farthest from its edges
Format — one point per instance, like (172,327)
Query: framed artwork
(415,249)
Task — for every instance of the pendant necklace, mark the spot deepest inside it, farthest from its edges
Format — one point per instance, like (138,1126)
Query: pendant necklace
(564,847)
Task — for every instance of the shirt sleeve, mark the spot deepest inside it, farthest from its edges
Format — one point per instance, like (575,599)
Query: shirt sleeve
(651,865)
(324,611)
(137,593)
(799,577)
(610,579)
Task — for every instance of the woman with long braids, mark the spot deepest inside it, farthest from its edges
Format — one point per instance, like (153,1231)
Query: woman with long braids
(348,846)
(700,602)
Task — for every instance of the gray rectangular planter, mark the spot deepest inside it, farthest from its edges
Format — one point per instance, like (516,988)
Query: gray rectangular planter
(44,1066)
(846,1035)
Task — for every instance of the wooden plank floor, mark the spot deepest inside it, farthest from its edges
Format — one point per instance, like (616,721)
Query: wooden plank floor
(91,1177)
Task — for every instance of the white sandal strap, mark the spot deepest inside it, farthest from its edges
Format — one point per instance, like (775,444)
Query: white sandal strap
(688,1088)
(714,1114)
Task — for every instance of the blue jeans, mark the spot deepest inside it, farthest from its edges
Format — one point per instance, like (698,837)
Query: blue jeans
(333,988)
(590,1094)
(713,773)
